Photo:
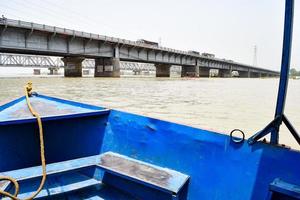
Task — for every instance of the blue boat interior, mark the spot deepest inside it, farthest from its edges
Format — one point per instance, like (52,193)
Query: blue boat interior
(96,153)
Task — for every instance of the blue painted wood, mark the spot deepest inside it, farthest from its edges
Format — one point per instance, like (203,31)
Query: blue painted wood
(9,104)
(139,191)
(56,185)
(172,185)
(4,185)
(73,103)
(54,168)
(104,192)
(87,120)
(64,177)
(285,188)
(219,169)
(16,112)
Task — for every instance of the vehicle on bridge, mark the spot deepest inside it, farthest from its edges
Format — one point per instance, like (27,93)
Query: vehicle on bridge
(209,55)
(194,52)
(147,42)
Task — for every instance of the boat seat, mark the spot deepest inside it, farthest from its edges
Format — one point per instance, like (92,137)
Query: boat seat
(280,189)
(66,177)
(53,168)
(72,176)
(74,186)
(163,179)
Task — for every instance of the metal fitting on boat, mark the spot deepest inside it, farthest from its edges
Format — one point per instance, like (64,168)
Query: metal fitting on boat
(235,139)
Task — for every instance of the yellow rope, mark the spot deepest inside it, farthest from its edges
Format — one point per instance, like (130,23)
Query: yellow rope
(28,92)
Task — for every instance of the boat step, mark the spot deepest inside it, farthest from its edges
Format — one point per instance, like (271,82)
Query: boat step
(56,185)
(74,186)
(163,179)
(54,169)
(104,192)
(280,189)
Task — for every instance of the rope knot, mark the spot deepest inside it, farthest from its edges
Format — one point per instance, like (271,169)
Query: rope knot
(29,88)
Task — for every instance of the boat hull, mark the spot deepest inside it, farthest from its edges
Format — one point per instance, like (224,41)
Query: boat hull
(218,167)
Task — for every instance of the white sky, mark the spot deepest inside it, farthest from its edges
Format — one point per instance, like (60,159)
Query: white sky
(227,28)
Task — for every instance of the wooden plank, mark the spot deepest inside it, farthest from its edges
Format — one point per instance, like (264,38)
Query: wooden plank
(164,179)
(285,188)
(59,167)
(48,107)
(3,185)
(58,185)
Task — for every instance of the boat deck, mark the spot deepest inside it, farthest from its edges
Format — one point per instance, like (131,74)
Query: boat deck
(49,108)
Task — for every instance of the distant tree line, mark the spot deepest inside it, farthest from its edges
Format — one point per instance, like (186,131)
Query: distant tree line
(294,72)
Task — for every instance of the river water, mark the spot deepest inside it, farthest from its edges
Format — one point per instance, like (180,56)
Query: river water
(219,104)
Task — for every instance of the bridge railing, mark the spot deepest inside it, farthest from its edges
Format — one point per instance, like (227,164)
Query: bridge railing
(54,29)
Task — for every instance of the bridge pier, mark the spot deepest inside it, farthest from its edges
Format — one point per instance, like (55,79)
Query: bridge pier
(225,73)
(162,70)
(73,66)
(204,72)
(137,72)
(107,67)
(264,75)
(191,71)
(53,71)
(255,75)
(244,74)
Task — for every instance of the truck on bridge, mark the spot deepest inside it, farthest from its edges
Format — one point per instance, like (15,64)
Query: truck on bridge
(194,52)
(209,55)
(147,42)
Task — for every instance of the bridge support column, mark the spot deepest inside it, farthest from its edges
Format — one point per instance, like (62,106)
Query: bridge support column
(225,73)
(137,72)
(244,74)
(53,71)
(73,66)
(255,75)
(107,67)
(191,71)
(162,70)
(264,75)
(204,72)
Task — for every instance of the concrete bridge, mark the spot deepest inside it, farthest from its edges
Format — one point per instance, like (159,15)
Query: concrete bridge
(74,46)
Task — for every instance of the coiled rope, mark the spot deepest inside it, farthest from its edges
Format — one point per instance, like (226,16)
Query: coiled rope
(28,93)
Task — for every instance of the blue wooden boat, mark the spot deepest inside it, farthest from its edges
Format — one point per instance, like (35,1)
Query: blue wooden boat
(97,153)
